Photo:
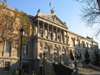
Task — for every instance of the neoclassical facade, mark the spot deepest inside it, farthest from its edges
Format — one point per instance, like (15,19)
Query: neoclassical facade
(52,37)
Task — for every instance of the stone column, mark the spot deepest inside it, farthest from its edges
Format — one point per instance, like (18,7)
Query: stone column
(48,31)
(65,57)
(49,54)
(60,35)
(58,55)
(67,39)
(52,33)
(53,57)
(60,58)
(56,33)
(63,37)
(43,31)
(37,28)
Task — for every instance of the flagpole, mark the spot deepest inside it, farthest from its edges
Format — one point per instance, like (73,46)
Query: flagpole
(50,6)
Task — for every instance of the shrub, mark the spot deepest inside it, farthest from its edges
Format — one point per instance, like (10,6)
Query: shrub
(62,69)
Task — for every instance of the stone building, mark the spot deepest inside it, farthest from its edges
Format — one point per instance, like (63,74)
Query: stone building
(51,36)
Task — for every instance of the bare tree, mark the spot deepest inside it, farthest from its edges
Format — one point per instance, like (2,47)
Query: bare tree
(91,14)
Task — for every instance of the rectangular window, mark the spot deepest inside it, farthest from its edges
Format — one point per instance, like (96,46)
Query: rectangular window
(25,51)
(73,42)
(91,46)
(83,45)
(8,46)
(58,37)
(87,46)
(50,34)
(41,32)
(79,43)
(46,36)
(7,65)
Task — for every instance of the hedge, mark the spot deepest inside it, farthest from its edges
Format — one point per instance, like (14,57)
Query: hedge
(61,69)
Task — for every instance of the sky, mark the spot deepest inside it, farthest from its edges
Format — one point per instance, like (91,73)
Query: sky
(68,11)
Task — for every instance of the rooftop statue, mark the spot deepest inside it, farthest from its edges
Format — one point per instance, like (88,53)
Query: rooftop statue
(52,11)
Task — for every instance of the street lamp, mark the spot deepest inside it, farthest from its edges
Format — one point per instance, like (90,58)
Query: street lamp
(21,35)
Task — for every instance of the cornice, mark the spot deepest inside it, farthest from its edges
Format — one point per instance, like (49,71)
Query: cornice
(16,58)
(52,41)
(81,36)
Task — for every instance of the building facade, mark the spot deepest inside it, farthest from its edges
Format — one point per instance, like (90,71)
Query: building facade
(52,37)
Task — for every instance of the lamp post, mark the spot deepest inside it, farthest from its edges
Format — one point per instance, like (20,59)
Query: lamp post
(44,63)
(21,35)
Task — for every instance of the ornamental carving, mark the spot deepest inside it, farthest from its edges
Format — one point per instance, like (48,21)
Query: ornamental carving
(51,47)
(46,44)
(41,44)
(73,38)
(59,48)
(46,48)
(55,48)
(78,39)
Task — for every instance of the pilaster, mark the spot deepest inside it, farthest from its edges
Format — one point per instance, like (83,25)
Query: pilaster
(60,36)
